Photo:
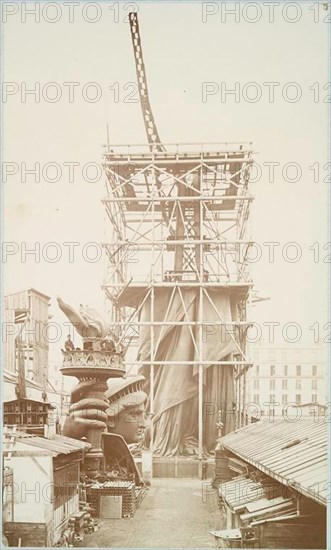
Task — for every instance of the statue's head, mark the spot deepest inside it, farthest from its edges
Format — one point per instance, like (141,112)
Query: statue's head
(126,413)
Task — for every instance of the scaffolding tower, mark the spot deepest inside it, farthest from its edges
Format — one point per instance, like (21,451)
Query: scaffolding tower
(179,218)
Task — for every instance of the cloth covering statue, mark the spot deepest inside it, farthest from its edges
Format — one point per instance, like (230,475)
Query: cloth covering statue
(176,385)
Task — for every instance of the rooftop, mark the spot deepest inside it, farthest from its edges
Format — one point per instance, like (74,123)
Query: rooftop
(31,290)
(59,444)
(293,453)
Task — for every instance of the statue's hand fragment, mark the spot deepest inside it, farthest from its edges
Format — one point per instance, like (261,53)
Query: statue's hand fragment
(85,411)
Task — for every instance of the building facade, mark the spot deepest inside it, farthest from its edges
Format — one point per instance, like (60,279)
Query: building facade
(25,325)
(287,375)
(25,347)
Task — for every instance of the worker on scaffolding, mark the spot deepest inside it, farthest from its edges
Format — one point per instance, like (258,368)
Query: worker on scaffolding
(68,344)
(108,345)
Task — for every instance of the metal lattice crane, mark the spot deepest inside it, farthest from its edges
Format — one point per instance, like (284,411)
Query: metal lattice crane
(151,130)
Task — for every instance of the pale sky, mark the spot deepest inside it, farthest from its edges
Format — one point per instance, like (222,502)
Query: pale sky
(181,52)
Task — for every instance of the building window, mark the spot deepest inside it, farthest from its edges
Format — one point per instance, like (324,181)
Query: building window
(298,370)
(256,384)
(285,370)
(314,370)
(314,384)
(284,399)
(257,370)
(314,397)
(256,398)
(298,384)
(284,384)
(298,398)
(272,384)
(272,398)
(272,370)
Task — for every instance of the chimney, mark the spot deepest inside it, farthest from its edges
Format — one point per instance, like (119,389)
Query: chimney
(50,427)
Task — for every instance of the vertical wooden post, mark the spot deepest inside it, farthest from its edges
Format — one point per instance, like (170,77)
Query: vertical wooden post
(200,322)
(151,379)
(151,408)
(200,411)
(152,333)
(239,398)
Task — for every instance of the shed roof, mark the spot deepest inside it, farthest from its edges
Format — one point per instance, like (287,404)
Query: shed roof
(59,444)
(33,290)
(293,453)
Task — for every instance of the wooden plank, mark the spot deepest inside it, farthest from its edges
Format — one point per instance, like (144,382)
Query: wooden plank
(264,504)
(266,511)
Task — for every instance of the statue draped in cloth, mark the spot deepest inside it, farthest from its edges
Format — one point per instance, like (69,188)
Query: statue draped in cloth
(176,386)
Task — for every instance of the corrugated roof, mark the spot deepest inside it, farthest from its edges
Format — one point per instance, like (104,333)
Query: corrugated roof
(59,444)
(293,453)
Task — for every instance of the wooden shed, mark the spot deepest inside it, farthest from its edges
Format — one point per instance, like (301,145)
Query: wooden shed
(45,477)
(278,496)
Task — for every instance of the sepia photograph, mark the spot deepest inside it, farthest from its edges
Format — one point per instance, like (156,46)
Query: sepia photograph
(165,259)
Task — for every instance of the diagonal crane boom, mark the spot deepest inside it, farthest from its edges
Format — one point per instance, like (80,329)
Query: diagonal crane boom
(151,130)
